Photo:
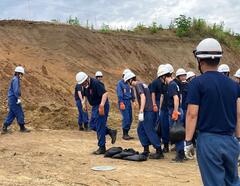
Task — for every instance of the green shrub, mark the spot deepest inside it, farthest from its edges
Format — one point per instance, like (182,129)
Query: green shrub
(73,21)
(105,28)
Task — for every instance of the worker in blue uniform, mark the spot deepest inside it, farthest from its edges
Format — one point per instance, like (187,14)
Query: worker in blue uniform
(164,113)
(156,91)
(14,102)
(125,97)
(82,110)
(146,130)
(214,108)
(181,76)
(174,109)
(97,97)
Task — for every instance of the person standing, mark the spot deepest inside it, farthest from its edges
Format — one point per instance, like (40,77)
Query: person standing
(97,97)
(82,110)
(14,102)
(214,109)
(125,97)
(174,110)
(146,129)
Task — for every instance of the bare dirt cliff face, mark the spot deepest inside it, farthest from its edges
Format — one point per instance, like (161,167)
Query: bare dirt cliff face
(52,55)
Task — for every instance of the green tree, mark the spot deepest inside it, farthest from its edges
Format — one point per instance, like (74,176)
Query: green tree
(183,25)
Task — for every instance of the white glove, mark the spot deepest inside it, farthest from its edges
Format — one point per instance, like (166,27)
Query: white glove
(18,101)
(188,150)
(141,116)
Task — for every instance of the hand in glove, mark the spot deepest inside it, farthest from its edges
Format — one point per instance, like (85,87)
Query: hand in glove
(175,115)
(122,106)
(101,110)
(19,101)
(155,108)
(189,150)
(141,116)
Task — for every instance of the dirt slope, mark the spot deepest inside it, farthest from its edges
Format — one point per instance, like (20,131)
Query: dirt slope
(53,54)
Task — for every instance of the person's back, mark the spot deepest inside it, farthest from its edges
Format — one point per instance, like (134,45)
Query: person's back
(217,101)
(213,106)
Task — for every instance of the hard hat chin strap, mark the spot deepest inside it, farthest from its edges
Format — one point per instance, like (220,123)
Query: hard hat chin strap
(199,66)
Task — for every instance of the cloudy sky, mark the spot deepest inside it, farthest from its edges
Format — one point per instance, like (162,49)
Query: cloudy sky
(123,13)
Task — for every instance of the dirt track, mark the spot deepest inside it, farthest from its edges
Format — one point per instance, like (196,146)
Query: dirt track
(64,157)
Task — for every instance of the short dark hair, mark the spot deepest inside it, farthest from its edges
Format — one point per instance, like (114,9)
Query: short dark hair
(211,62)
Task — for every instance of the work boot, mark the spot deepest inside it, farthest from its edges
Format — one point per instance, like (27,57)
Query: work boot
(4,130)
(145,151)
(24,129)
(125,135)
(101,150)
(81,128)
(86,128)
(180,156)
(113,134)
(166,148)
(157,155)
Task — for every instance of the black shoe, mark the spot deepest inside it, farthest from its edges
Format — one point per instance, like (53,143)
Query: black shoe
(4,130)
(166,148)
(113,134)
(180,157)
(126,136)
(157,155)
(101,150)
(86,128)
(24,129)
(81,128)
(145,151)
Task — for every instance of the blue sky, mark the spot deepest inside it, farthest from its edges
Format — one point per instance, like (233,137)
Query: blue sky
(123,13)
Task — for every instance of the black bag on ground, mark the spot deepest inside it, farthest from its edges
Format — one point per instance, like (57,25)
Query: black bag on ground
(112,151)
(177,133)
(125,153)
(136,157)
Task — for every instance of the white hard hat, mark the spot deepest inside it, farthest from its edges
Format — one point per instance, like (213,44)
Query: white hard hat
(126,71)
(208,48)
(237,74)
(180,72)
(160,66)
(81,77)
(163,70)
(19,69)
(170,67)
(98,73)
(190,74)
(129,75)
(223,68)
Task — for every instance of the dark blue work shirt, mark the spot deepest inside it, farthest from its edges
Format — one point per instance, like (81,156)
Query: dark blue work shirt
(78,87)
(216,95)
(184,91)
(165,97)
(14,88)
(94,92)
(124,91)
(156,87)
(173,90)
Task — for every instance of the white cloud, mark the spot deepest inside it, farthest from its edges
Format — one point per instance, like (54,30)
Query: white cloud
(125,13)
